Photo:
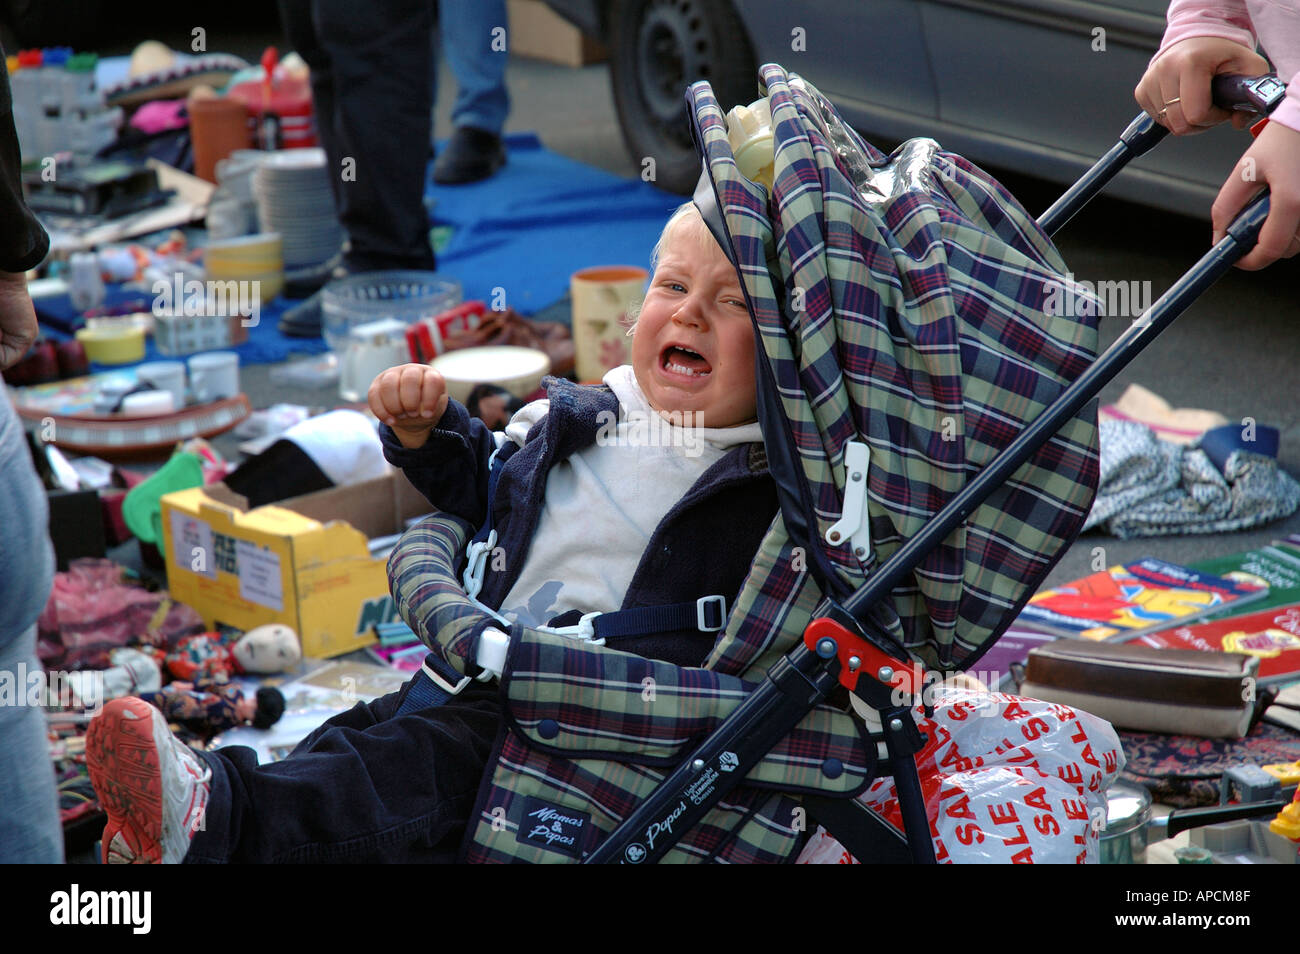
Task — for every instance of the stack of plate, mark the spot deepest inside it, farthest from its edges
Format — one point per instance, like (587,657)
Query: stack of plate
(293,195)
(258,258)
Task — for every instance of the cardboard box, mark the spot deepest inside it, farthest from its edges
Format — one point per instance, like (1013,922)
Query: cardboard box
(539,32)
(304,562)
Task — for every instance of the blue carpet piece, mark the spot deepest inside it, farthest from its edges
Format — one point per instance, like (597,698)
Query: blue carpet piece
(540,219)
(515,240)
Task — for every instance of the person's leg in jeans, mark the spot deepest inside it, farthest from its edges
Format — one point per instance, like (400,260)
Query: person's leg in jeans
(381,60)
(30,830)
(477,54)
(476,46)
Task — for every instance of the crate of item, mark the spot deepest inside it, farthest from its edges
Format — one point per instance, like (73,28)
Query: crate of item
(178,334)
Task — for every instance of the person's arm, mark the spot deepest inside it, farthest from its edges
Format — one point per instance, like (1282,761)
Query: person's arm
(23,243)
(1226,19)
(1204,40)
(451,467)
(443,451)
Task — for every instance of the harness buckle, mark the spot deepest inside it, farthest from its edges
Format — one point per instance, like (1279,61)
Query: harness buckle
(584,629)
(703,605)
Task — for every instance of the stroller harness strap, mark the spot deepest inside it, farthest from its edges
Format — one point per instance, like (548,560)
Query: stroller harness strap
(708,614)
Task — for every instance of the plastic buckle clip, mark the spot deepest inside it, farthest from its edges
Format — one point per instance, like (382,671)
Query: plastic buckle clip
(476,555)
(702,607)
(584,629)
(587,629)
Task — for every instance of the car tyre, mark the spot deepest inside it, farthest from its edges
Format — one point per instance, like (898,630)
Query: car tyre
(657,49)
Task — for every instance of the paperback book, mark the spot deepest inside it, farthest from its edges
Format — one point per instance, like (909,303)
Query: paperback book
(1276,566)
(1273,635)
(1129,600)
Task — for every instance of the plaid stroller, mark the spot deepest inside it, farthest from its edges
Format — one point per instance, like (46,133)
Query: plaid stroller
(900,304)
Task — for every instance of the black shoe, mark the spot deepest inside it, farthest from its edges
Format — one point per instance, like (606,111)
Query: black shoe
(471,155)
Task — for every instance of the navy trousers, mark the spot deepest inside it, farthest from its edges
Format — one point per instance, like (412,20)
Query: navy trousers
(372,73)
(367,786)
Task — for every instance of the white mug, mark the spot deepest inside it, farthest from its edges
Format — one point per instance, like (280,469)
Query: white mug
(214,375)
(165,376)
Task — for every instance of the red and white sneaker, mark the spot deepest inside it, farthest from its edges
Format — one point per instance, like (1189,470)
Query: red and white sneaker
(152,786)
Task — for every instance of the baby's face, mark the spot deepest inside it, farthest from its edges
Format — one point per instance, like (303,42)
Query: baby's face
(693,348)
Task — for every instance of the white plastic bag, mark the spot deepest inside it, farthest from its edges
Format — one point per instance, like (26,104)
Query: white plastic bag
(1005,780)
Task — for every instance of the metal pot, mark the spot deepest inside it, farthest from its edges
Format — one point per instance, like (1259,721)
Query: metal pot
(1130,827)
(1128,813)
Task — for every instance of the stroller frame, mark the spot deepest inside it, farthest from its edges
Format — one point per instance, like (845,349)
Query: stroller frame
(845,648)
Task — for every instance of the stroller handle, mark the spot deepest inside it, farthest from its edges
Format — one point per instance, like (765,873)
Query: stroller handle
(1240,239)
(1251,94)
(799,682)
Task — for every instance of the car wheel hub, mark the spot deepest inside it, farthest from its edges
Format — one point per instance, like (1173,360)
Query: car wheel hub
(673,47)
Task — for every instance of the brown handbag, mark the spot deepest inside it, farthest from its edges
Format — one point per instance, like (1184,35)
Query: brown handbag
(1175,691)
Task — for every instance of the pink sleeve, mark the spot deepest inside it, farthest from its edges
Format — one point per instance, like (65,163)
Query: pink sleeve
(1288,111)
(1227,19)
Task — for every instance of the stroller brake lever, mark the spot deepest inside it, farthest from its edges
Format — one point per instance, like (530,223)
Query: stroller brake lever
(867,671)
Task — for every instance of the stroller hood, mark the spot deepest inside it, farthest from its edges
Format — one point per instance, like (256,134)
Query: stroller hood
(907,302)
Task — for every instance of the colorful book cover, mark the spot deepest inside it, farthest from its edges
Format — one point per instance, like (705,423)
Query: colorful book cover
(1276,566)
(1273,635)
(1125,601)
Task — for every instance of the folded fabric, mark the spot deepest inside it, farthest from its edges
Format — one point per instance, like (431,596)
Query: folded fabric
(1136,466)
(1150,487)
(1182,425)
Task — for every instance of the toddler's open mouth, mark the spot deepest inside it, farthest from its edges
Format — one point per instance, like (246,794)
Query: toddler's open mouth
(676,359)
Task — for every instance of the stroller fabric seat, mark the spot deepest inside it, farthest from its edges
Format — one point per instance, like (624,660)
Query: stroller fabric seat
(910,302)
(900,302)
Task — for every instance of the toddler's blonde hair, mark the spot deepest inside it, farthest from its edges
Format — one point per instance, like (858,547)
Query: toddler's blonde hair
(680,214)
